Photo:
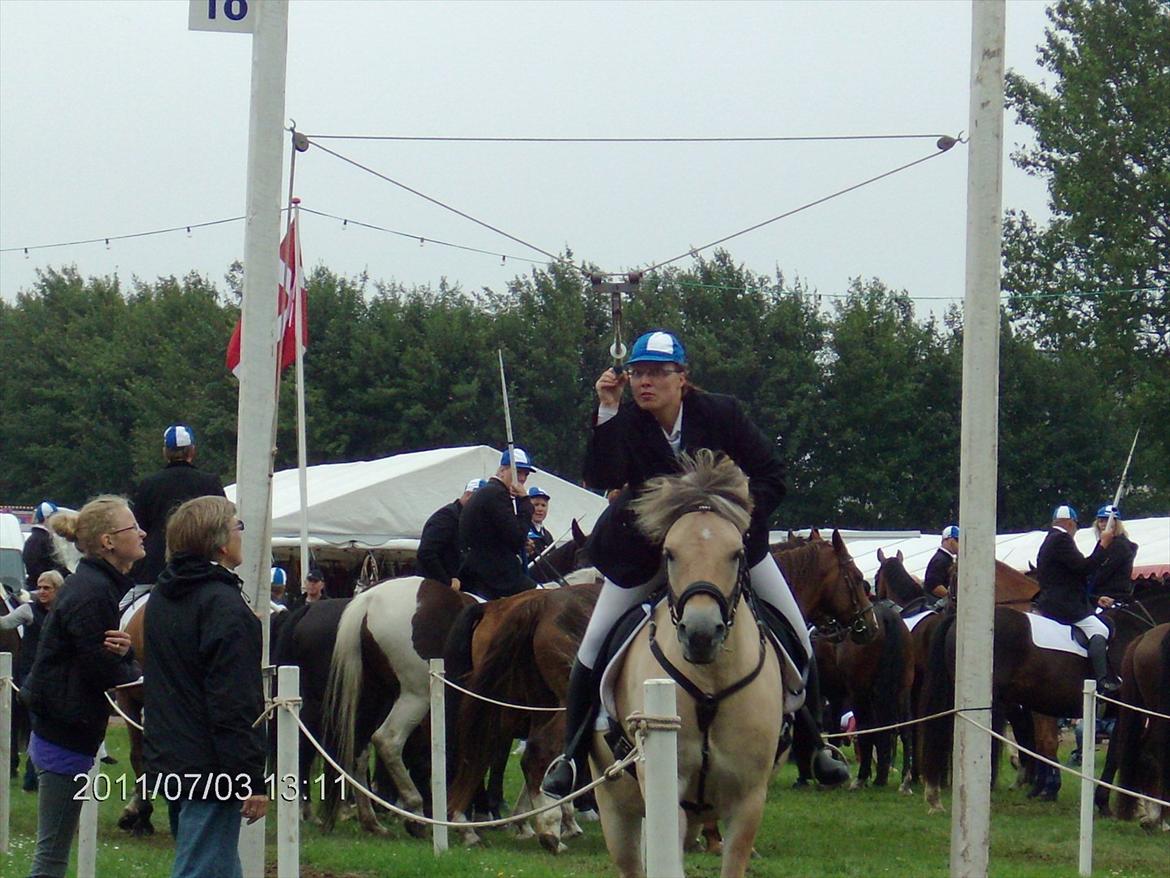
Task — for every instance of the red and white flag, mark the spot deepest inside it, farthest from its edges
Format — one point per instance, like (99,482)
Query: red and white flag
(291,293)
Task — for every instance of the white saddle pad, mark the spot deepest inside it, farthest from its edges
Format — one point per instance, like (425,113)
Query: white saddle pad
(1050,634)
(131,608)
(912,621)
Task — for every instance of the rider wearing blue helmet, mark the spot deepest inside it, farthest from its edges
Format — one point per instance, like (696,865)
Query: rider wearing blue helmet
(1063,572)
(632,442)
(938,572)
(1113,580)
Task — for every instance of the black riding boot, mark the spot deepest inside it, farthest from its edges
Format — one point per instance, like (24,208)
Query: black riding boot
(1107,681)
(827,769)
(580,708)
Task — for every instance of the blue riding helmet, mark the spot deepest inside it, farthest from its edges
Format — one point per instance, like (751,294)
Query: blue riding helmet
(537,492)
(1107,510)
(522,459)
(178,436)
(951,532)
(1064,511)
(658,347)
(44,510)
(279,577)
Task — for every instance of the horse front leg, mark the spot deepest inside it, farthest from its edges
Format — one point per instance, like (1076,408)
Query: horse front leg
(135,817)
(742,825)
(620,807)
(885,758)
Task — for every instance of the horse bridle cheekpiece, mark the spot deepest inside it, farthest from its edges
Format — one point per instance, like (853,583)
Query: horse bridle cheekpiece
(728,605)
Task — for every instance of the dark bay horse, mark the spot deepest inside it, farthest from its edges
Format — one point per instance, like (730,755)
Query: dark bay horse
(1044,681)
(1142,741)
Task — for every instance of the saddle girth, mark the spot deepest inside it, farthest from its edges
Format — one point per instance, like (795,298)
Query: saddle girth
(706,706)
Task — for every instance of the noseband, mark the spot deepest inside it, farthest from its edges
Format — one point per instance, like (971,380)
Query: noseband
(728,604)
(836,630)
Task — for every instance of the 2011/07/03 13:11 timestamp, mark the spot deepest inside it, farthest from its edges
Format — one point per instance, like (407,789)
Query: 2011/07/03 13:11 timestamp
(101,787)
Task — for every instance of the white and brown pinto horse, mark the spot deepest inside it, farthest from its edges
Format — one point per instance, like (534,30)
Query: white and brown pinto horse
(726,753)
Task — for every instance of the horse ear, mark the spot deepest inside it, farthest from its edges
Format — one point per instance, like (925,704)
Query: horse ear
(881,556)
(900,558)
(791,536)
(838,542)
(814,534)
(578,534)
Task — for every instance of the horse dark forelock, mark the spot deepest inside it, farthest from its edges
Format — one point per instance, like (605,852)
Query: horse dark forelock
(707,479)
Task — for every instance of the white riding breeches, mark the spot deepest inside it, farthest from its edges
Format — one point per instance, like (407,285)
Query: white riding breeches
(767,582)
(1092,626)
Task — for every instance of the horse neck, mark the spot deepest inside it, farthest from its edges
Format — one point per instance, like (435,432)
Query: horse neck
(799,566)
(1012,587)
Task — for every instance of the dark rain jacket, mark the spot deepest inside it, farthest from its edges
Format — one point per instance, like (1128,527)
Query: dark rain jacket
(1063,574)
(156,497)
(65,690)
(203,683)
(630,448)
(1114,578)
(492,533)
(438,547)
(938,571)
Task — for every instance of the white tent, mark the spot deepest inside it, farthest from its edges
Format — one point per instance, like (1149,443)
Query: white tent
(383,504)
(1018,550)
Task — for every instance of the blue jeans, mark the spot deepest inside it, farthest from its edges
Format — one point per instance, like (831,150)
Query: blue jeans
(208,840)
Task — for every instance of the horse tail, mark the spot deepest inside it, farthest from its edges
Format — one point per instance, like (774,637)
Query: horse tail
(457,652)
(344,688)
(938,695)
(891,664)
(1128,734)
(508,672)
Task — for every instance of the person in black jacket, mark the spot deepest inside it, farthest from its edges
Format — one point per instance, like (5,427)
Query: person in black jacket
(438,546)
(492,530)
(81,654)
(159,494)
(539,537)
(938,571)
(1113,580)
(204,690)
(39,552)
(48,587)
(1062,572)
(631,443)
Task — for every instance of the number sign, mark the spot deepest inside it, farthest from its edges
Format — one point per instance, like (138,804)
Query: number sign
(233,16)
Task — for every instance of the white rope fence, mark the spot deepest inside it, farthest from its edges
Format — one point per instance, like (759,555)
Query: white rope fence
(1133,707)
(122,713)
(478,696)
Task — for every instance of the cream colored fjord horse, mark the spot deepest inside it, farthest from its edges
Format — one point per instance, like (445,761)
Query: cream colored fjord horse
(700,517)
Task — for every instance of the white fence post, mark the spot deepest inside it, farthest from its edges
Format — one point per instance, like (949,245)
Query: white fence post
(661,827)
(87,830)
(288,765)
(1089,769)
(5,746)
(438,754)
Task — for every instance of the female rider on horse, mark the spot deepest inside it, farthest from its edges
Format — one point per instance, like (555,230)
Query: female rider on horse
(630,444)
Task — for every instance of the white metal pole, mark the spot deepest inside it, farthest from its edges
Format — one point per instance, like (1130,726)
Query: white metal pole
(87,829)
(1088,769)
(288,805)
(257,402)
(971,803)
(438,753)
(663,838)
(5,746)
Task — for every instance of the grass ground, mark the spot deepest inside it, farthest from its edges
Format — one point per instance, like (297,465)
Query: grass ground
(806,834)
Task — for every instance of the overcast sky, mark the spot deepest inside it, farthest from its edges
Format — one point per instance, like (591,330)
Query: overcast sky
(114,118)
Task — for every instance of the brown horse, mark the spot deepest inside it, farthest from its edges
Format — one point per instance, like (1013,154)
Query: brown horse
(136,814)
(1144,741)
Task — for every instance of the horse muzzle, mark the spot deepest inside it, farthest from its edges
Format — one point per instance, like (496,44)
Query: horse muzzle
(702,630)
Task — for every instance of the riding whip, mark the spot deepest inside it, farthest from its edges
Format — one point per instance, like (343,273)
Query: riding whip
(508,427)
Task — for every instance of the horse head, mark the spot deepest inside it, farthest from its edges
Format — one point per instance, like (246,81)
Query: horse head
(829,587)
(894,582)
(700,517)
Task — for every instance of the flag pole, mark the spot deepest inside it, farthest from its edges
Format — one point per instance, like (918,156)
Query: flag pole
(508,428)
(302,445)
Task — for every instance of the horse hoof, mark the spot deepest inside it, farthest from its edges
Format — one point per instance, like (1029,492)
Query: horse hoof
(856,784)
(573,831)
(416,829)
(142,830)
(127,821)
(935,809)
(472,839)
(524,832)
(550,843)
(589,815)
(1047,796)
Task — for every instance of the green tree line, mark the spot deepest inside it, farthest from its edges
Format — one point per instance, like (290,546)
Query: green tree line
(861,394)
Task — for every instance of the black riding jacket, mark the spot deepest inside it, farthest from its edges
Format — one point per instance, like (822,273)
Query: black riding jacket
(1114,578)
(492,533)
(438,547)
(1063,572)
(157,496)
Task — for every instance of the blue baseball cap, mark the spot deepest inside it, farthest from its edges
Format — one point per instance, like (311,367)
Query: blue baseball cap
(658,347)
(44,510)
(474,485)
(950,532)
(522,461)
(1107,510)
(1064,511)
(178,436)
(279,577)
(537,492)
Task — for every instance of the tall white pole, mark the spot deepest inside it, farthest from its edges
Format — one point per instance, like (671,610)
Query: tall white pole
(257,405)
(288,777)
(87,828)
(661,827)
(971,804)
(5,746)
(1088,769)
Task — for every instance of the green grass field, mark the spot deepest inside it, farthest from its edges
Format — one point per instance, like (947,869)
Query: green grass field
(806,834)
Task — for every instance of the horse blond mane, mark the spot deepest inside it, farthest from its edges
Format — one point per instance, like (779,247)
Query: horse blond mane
(708,478)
